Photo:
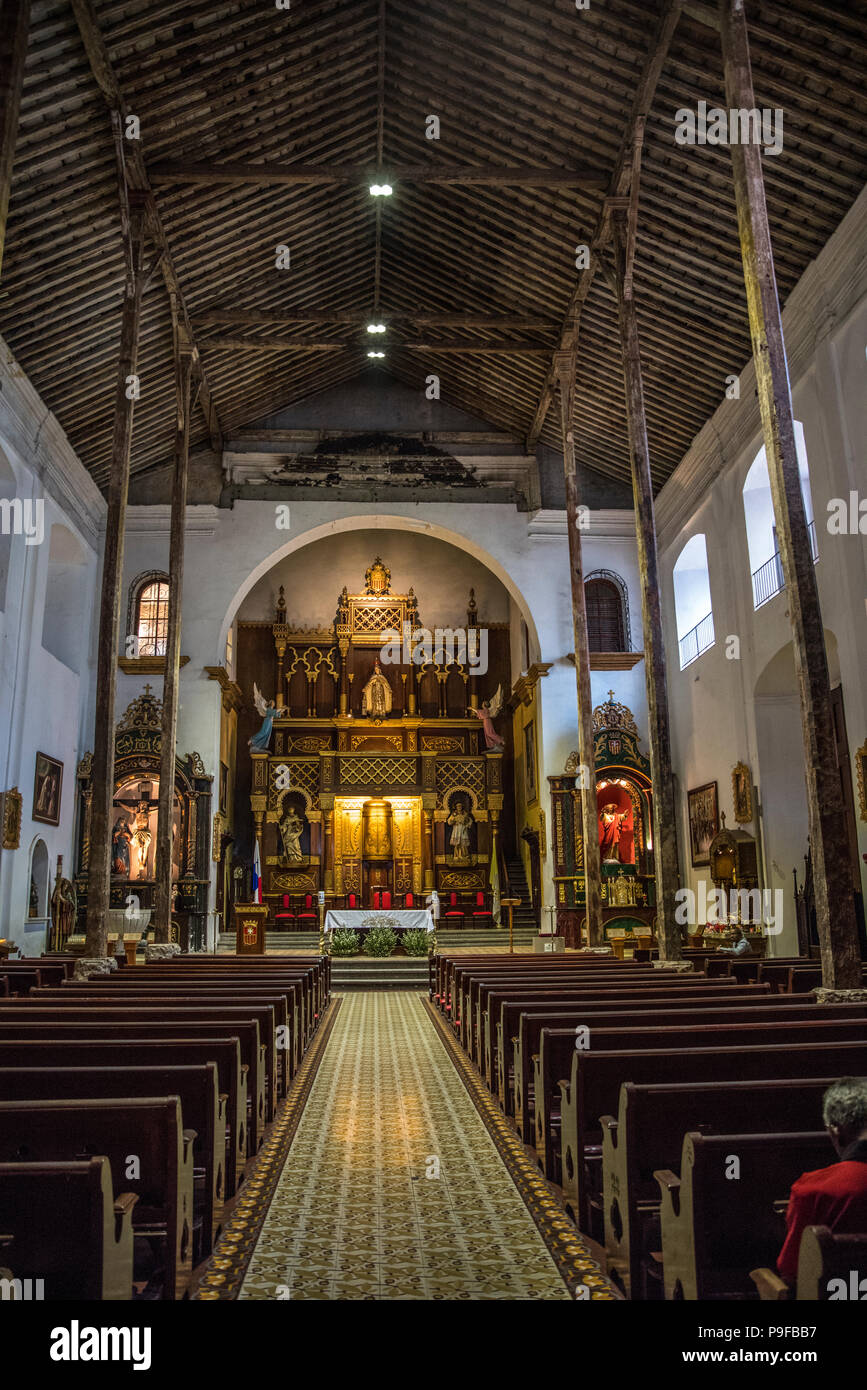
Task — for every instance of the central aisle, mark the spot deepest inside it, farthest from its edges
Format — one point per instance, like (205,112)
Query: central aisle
(354,1214)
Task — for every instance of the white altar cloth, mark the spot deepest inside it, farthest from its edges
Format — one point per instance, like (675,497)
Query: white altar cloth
(356,919)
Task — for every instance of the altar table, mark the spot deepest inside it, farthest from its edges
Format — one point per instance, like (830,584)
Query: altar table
(356,919)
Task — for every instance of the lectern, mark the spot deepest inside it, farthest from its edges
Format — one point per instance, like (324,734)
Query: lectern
(250,920)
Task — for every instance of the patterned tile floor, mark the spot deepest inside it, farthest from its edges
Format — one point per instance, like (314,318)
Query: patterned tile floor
(355,1214)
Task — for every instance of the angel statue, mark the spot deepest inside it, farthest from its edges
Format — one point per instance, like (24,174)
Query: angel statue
(487,714)
(260,741)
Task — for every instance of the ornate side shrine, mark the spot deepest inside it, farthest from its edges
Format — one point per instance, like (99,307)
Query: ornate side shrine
(136,791)
(624,807)
(369,771)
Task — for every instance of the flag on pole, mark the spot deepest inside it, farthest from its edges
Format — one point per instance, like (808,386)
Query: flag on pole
(495,888)
(257,875)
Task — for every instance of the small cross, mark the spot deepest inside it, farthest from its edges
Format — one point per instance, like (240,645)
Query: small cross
(147,689)
(611,697)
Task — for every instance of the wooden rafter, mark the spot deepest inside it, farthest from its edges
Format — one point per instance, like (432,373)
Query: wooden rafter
(267,175)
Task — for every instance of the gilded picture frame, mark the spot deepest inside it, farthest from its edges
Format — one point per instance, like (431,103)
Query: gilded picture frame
(47,790)
(861,770)
(703,808)
(531,787)
(742,793)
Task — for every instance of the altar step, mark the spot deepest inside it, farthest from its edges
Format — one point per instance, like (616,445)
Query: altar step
(276,942)
(389,972)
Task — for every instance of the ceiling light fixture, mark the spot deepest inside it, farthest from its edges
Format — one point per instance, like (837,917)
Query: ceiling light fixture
(376,354)
(381,190)
(376,328)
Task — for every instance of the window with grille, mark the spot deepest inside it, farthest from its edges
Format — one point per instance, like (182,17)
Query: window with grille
(605,627)
(152,618)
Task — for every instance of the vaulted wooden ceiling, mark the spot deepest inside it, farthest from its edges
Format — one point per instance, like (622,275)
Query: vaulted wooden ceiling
(331,82)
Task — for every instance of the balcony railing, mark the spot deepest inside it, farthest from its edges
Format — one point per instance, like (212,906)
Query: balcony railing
(768,578)
(696,641)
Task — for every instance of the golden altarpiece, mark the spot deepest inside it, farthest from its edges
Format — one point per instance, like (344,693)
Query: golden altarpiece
(375,777)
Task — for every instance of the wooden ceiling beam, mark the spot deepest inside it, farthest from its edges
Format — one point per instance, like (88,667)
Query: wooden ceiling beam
(137,176)
(357,345)
(278,319)
(618,187)
(261,175)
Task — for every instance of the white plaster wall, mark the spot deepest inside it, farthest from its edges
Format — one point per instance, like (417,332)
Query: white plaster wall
(717,718)
(43,703)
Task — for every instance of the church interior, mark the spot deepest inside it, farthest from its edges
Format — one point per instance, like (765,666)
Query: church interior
(433,696)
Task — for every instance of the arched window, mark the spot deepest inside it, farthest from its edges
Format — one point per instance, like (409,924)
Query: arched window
(692,602)
(149,614)
(37,905)
(607,612)
(765,566)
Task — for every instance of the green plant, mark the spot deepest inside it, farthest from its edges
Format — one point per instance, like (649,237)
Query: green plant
(416,942)
(344,942)
(379,941)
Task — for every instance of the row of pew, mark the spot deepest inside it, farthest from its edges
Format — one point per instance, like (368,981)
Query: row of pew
(131,1106)
(674,1111)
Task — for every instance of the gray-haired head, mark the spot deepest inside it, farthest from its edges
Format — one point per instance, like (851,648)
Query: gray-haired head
(844,1110)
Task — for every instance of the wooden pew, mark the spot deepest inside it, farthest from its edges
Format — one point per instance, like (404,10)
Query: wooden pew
(68,1229)
(222,1053)
(501,1025)
(202,1108)
(246,1033)
(831,1268)
(191,997)
(648,1135)
(704,1015)
(260,1056)
(715,1228)
(596,1077)
(45,1131)
(556,1046)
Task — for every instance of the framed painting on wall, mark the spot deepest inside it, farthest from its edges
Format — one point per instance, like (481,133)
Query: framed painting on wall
(47,785)
(703,807)
(530,785)
(742,793)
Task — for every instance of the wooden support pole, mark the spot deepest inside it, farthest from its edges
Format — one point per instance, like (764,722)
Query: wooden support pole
(664,831)
(832,877)
(171,682)
(564,366)
(14,29)
(102,780)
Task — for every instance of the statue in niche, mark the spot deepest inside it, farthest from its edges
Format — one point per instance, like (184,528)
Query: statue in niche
(376,698)
(611,820)
(461,822)
(64,903)
(141,836)
(291,830)
(120,844)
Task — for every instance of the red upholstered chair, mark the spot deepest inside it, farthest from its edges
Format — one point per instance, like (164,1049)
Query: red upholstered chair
(409,900)
(386,900)
(454,910)
(284,917)
(307,914)
(352,901)
(482,915)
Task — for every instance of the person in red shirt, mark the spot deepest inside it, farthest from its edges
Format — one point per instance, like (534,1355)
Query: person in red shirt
(836,1196)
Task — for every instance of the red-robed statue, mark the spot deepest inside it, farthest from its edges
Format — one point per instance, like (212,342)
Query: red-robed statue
(611,823)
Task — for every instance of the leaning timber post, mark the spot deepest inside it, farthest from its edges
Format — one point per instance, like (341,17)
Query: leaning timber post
(835,907)
(664,828)
(564,368)
(165,809)
(14,29)
(102,781)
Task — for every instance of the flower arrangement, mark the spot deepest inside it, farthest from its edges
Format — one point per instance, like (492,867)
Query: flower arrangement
(344,942)
(416,941)
(379,941)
